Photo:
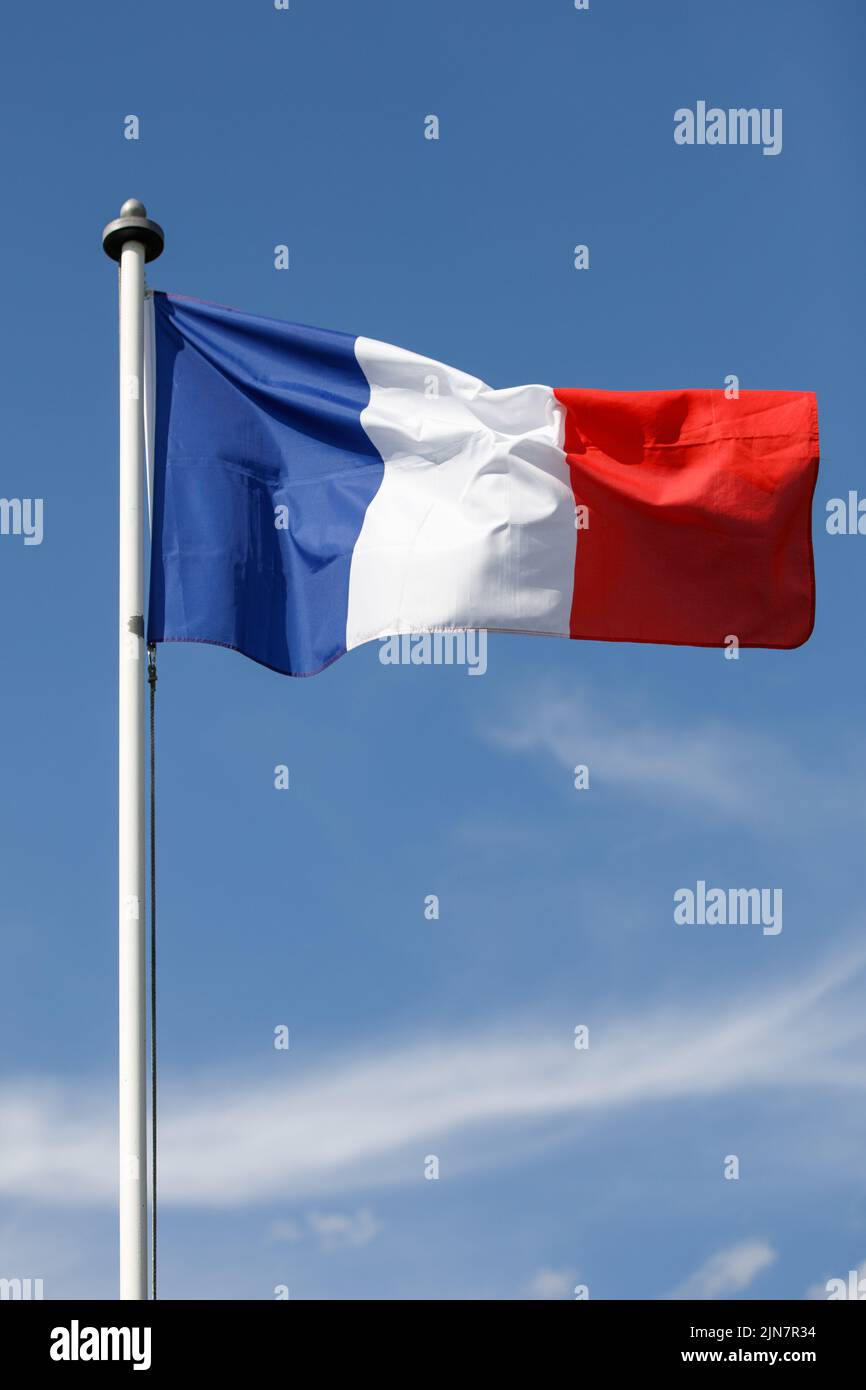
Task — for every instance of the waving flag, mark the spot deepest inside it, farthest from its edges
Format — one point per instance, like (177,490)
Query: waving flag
(313,491)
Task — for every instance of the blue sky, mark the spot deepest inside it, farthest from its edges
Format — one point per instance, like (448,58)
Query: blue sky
(306,908)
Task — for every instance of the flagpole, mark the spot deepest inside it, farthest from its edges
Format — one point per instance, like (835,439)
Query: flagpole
(131,240)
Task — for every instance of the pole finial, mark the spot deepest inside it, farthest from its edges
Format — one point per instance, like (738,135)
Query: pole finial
(133,224)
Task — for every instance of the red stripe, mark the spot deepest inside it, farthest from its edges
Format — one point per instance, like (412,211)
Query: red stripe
(699,515)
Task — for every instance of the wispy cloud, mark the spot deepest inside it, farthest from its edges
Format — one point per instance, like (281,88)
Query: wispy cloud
(728,1272)
(335,1229)
(331,1230)
(230,1141)
(709,764)
(550,1283)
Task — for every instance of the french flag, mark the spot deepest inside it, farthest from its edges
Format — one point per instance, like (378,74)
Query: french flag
(312,491)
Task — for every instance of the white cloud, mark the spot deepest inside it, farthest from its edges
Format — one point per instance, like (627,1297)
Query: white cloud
(728,1272)
(707,763)
(331,1230)
(551,1283)
(228,1141)
(335,1229)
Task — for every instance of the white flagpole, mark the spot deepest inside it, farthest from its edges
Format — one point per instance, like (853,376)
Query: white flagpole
(131,240)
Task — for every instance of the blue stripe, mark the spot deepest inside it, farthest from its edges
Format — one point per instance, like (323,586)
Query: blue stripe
(252,415)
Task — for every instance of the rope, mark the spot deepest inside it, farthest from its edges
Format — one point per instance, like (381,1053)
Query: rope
(151,681)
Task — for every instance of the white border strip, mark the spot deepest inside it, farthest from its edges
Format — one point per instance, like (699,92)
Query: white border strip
(149,399)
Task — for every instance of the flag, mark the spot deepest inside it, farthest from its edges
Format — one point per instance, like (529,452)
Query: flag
(312,491)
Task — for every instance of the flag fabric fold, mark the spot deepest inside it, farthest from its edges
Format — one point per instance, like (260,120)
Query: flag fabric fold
(312,490)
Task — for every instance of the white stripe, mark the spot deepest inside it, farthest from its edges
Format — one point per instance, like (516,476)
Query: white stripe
(473,524)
